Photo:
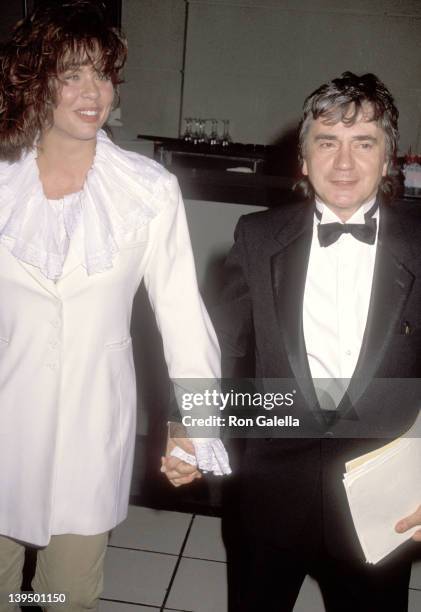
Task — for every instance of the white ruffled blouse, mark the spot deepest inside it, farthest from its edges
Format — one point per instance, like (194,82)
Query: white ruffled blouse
(37,234)
(38,231)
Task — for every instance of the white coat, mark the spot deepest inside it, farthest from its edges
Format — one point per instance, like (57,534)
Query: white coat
(67,381)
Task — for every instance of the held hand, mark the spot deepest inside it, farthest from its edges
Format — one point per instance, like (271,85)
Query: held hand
(411,521)
(177,471)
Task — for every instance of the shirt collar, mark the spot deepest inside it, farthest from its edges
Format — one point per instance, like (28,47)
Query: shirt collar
(328,216)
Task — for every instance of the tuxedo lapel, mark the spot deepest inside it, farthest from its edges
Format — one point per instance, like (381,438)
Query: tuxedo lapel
(289,271)
(392,283)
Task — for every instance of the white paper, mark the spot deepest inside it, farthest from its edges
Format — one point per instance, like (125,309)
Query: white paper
(382,488)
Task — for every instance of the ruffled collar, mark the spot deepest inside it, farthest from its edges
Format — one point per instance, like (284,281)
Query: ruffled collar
(123,192)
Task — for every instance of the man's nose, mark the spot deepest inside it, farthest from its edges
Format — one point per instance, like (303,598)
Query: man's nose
(344,158)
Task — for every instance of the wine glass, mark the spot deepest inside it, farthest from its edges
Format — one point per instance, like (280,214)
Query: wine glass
(188,136)
(196,131)
(202,136)
(226,137)
(214,138)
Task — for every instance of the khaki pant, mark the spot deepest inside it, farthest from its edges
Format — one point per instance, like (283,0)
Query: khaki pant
(70,564)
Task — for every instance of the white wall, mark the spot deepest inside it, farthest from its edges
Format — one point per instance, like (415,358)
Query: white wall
(150,98)
(255,61)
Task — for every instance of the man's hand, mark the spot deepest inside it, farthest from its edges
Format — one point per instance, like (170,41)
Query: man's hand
(177,471)
(411,521)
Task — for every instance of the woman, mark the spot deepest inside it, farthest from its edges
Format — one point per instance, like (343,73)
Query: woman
(81,223)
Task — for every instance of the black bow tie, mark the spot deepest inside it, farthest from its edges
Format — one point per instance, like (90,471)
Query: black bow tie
(329,233)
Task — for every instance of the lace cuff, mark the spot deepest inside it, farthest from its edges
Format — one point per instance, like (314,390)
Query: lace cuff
(211,456)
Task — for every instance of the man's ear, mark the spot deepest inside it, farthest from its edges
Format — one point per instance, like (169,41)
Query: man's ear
(304,169)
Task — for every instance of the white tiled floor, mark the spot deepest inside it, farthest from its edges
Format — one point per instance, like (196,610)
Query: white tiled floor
(416,577)
(152,530)
(136,576)
(199,585)
(173,561)
(205,541)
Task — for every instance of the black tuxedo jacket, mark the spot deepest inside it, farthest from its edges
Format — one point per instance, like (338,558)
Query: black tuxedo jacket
(282,483)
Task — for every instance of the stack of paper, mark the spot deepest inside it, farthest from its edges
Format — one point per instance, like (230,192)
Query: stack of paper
(383,487)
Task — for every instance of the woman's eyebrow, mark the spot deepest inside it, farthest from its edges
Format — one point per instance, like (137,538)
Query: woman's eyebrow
(68,67)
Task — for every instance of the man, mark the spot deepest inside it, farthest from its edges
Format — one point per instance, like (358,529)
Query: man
(326,289)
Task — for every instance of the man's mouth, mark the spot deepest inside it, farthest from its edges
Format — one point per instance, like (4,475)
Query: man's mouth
(344,182)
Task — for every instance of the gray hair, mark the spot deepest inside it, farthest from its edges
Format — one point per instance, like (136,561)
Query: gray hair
(344,99)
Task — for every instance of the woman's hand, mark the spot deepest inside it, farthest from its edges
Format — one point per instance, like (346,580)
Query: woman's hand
(177,471)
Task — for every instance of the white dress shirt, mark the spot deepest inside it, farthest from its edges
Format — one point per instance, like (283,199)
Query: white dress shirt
(336,298)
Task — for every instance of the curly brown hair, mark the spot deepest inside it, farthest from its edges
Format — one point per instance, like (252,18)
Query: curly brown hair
(55,38)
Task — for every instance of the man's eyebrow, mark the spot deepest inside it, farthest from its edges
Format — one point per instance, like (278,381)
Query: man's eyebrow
(358,137)
(325,137)
(365,137)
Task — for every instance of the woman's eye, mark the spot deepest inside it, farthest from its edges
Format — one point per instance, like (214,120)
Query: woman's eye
(71,77)
(102,76)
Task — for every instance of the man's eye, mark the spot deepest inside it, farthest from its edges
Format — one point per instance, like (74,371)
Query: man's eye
(327,145)
(366,145)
